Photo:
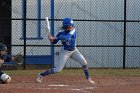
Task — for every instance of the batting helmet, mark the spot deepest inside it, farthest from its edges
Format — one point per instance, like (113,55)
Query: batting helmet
(2,47)
(67,22)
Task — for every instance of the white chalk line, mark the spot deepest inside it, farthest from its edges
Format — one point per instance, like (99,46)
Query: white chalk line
(59,85)
(70,88)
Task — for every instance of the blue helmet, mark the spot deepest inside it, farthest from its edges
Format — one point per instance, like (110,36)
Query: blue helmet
(67,22)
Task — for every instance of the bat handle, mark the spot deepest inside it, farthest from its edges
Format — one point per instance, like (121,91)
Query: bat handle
(47,22)
(49,33)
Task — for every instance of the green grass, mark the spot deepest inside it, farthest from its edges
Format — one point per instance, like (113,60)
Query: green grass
(117,72)
(93,72)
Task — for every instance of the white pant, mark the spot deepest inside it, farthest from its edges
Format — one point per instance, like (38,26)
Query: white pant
(64,55)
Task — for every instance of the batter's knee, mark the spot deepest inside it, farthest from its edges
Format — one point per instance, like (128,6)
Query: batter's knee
(85,67)
(84,62)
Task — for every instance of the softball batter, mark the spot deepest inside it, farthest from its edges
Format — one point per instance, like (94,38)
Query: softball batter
(68,38)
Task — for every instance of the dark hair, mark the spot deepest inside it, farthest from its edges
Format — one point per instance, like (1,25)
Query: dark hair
(66,27)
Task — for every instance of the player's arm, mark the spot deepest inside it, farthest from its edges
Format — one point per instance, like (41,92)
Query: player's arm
(52,39)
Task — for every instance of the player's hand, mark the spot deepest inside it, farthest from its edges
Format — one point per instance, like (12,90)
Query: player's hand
(50,37)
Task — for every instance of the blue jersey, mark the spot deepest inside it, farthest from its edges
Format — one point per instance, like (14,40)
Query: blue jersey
(67,38)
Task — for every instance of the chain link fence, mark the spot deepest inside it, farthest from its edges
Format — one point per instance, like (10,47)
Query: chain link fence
(107,32)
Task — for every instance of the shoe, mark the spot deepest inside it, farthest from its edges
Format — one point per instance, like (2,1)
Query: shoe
(90,81)
(39,78)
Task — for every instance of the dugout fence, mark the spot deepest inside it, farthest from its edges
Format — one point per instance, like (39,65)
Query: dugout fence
(108,33)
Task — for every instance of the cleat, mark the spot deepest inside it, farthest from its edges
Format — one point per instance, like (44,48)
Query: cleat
(39,78)
(90,81)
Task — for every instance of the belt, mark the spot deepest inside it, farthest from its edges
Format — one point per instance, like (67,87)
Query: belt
(70,49)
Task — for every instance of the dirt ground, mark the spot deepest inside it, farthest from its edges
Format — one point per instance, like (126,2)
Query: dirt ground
(72,84)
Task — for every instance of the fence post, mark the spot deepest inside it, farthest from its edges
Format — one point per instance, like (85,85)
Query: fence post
(124,40)
(24,30)
(52,30)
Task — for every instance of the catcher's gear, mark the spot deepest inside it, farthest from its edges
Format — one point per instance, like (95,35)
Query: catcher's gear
(18,58)
(5,78)
(67,22)
(3,50)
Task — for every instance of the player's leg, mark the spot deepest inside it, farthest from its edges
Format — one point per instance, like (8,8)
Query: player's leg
(1,81)
(1,74)
(80,58)
(64,55)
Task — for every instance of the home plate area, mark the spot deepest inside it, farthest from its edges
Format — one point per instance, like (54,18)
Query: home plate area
(71,89)
(57,84)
